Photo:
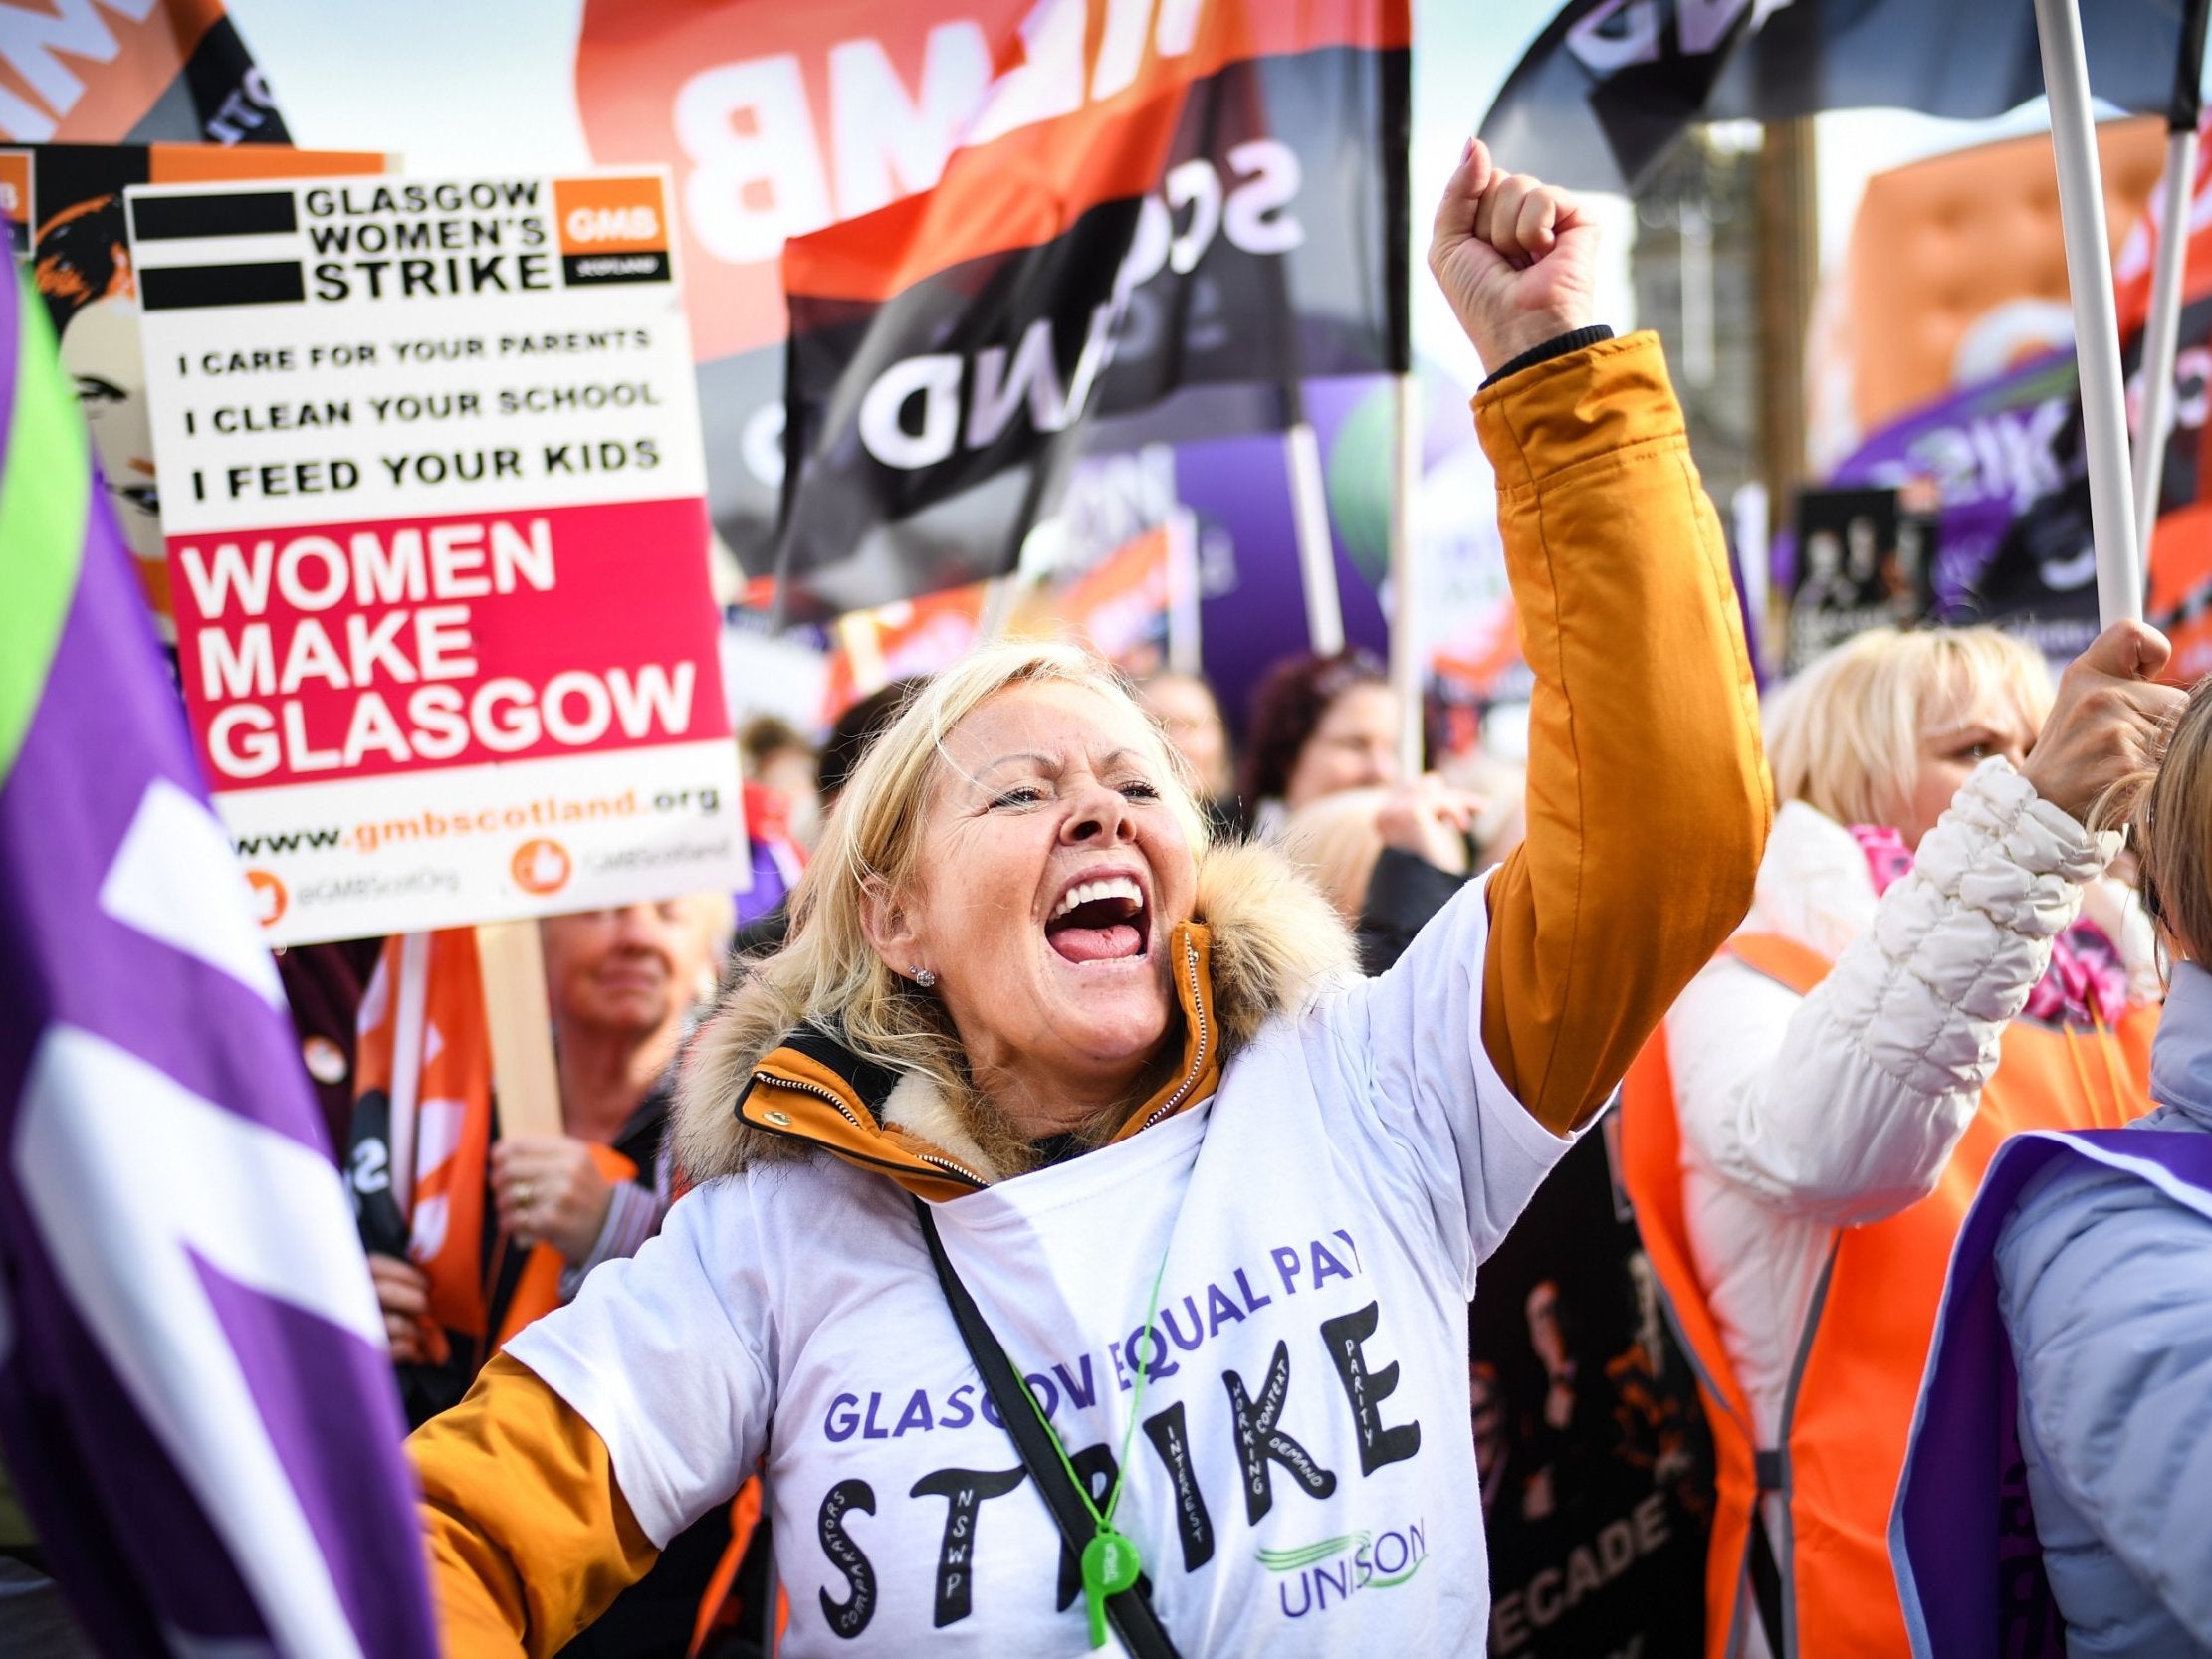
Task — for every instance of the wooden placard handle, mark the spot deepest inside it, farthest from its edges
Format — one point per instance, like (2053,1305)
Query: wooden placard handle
(526,1083)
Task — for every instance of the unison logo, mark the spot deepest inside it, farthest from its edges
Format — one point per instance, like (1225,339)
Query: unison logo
(1337,1568)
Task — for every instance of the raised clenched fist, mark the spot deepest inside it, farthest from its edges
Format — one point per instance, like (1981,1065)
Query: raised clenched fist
(1513,256)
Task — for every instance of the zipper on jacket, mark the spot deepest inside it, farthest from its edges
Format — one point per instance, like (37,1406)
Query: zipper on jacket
(1198,1054)
(1191,1076)
(944,1164)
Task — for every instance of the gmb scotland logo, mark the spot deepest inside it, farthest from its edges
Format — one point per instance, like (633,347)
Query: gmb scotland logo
(1319,1576)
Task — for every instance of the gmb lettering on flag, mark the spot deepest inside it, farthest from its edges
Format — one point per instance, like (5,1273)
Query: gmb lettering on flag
(927,241)
(130,70)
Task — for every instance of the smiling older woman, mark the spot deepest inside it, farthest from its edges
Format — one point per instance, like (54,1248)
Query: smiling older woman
(1040,1072)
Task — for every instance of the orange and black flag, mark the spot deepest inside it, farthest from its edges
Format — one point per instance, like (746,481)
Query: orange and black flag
(420,1151)
(422,1121)
(1215,198)
(930,244)
(167,71)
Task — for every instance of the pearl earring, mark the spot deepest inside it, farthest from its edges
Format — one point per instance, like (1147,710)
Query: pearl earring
(923,976)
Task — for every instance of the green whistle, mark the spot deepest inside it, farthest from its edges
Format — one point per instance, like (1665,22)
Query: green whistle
(1109,1568)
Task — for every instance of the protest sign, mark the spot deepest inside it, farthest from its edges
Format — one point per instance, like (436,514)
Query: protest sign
(1118,607)
(1597,1469)
(1863,563)
(2002,464)
(904,638)
(438,544)
(64,203)
(15,200)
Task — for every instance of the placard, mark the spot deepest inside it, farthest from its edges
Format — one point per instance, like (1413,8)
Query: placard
(435,518)
(1596,1464)
(1861,562)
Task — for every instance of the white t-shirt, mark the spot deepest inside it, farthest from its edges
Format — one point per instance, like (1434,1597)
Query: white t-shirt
(1302,1480)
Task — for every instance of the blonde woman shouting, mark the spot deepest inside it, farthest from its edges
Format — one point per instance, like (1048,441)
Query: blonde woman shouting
(1082,1247)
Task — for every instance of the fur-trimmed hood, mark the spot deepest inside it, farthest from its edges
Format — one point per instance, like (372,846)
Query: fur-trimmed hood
(1261,943)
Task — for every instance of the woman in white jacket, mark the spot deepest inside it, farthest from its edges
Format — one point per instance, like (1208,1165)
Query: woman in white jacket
(1827,1069)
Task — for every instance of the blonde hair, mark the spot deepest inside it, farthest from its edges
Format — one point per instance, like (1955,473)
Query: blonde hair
(828,974)
(2167,810)
(1336,842)
(1844,736)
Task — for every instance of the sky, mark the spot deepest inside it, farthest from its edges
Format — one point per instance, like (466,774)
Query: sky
(477,85)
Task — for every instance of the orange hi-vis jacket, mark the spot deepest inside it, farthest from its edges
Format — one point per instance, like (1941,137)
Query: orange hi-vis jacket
(1865,1339)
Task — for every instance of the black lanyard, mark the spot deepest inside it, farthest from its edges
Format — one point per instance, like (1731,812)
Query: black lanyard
(1131,1611)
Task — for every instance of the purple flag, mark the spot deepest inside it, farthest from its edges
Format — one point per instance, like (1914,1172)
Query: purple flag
(2012,532)
(195,1403)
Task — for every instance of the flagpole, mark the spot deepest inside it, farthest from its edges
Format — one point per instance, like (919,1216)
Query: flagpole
(1310,509)
(2089,270)
(526,1079)
(410,1016)
(1407,658)
(1001,595)
(2162,334)
(1185,653)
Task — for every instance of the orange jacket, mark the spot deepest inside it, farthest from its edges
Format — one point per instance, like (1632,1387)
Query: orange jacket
(1866,1341)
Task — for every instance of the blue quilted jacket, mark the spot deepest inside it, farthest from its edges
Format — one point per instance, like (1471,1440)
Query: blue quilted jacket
(2106,1289)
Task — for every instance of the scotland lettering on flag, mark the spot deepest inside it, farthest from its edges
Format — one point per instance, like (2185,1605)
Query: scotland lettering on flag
(195,1404)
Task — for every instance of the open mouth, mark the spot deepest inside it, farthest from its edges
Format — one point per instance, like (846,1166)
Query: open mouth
(1100,920)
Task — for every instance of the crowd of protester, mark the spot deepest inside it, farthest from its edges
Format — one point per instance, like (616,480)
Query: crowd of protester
(1939,951)
(1935,955)
(1937,900)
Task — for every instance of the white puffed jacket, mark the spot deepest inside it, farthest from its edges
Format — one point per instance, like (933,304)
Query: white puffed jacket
(1800,1116)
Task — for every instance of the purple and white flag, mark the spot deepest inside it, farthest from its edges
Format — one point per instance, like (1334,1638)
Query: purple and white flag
(195,1403)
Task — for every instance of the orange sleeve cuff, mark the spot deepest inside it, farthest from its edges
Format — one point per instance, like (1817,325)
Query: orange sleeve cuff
(530,1536)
